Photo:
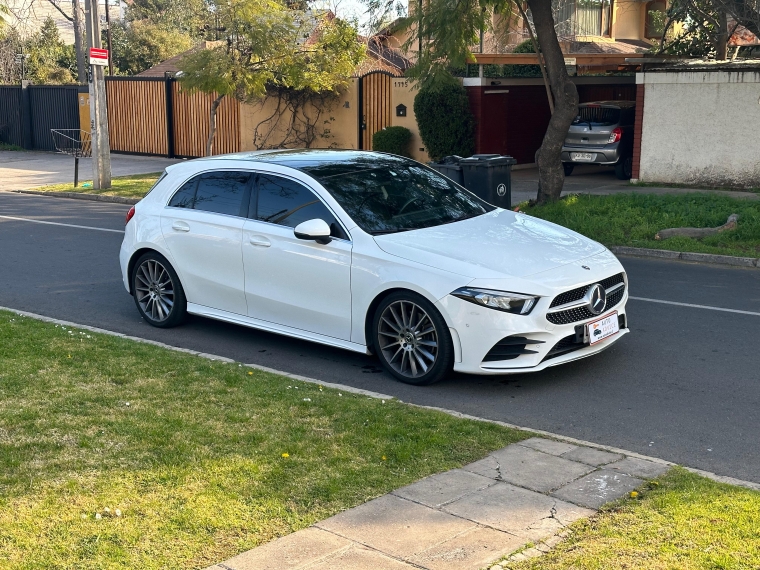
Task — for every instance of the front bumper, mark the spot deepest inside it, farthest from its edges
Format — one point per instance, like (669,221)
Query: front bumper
(605,154)
(479,329)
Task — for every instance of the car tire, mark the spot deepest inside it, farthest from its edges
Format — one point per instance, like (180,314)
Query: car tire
(568,168)
(411,339)
(624,168)
(157,291)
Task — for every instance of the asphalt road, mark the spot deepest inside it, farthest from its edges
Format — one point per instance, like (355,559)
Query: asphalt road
(684,386)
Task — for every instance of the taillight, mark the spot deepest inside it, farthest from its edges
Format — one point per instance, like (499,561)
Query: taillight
(130,215)
(615,135)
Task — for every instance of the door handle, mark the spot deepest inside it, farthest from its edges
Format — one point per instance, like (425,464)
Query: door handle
(180,227)
(259,241)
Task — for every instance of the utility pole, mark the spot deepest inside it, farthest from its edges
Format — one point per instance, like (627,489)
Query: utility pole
(101,151)
(108,36)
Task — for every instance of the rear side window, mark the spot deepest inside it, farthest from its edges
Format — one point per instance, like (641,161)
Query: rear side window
(597,116)
(288,203)
(223,192)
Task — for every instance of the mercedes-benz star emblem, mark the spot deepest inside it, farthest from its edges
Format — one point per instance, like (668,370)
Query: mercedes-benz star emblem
(596,297)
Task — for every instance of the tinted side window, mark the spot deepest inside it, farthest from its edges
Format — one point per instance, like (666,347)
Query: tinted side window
(185,196)
(288,203)
(222,192)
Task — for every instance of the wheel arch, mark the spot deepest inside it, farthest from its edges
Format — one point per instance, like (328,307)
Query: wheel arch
(139,253)
(375,303)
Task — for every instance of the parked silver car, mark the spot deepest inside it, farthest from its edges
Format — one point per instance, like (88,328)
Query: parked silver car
(602,133)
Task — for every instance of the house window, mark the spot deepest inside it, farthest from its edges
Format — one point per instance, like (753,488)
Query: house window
(655,20)
(582,18)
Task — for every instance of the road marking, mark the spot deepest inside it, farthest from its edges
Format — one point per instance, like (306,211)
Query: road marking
(64,225)
(695,306)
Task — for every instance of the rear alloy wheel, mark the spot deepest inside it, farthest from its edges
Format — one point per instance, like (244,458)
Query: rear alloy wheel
(158,293)
(412,340)
(624,168)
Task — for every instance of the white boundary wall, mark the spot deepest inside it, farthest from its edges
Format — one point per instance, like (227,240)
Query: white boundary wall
(701,127)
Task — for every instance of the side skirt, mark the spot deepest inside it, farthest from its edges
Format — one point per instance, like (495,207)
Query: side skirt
(267,326)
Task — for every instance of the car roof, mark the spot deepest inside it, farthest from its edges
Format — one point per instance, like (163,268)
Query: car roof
(618,104)
(315,162)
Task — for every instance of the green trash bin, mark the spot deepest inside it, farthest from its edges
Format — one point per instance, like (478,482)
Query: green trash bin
(489,176)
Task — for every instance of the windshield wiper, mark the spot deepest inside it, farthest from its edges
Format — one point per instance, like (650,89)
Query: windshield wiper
(393,231)
(464,217)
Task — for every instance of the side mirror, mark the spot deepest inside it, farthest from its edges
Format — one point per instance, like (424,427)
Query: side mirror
(315,229)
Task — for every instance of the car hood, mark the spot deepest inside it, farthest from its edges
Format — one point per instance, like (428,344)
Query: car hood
(500,243)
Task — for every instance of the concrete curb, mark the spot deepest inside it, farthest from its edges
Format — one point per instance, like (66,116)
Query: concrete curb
(81,196)
(379,396)
(687,256)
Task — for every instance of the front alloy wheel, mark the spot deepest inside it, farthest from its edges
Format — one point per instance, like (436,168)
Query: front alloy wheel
(158,294)
(412,339)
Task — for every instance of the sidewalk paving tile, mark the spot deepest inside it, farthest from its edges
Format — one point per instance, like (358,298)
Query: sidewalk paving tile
(443,488)
(487,467)
(547,445)
(515,510)
(598,488)
(290,552)
(472,550)
(360,558)
(639,467)
(396,526)
(591,456)
(536,470)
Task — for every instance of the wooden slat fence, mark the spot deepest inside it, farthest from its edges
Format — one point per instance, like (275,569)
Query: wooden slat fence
(137,121)
(149,115)
(375,92)
(191,123)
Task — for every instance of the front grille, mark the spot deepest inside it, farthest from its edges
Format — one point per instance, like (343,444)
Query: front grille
(583,313)
(567,344)
(509,348)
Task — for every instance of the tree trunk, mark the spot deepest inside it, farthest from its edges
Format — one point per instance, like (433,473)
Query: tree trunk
(212,125)
(721,41)
(79,41)
(551,176)
(536,48)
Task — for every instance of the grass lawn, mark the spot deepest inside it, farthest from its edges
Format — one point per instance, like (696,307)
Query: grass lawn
(203,459)
(132,186)
(634,219)
(685,522)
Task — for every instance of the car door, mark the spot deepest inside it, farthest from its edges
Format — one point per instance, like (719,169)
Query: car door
(203,229)
(289,281)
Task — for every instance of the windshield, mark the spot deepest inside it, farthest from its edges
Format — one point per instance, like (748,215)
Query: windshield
(597,116)
(393,195)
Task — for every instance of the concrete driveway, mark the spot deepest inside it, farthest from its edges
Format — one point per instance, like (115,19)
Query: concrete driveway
(22,170)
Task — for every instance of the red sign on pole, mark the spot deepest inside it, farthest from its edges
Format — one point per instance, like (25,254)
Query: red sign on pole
(98,56)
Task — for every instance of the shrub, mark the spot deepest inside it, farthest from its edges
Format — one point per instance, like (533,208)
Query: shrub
(523,70)
(445,121)
(394,140)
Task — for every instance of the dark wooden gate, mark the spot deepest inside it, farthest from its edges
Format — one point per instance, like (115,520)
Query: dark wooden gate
(374,106)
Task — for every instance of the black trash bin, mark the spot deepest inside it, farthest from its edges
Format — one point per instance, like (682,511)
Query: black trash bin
(449,167)
(489,176)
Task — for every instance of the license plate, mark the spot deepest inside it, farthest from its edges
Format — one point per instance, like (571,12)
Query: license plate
(603,328)
(582,156)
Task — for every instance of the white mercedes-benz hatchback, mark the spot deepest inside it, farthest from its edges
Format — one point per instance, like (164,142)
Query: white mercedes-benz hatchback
(372,253)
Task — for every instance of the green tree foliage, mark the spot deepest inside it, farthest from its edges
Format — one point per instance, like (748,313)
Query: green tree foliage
(265,46)
(50,60)
(394,140)
(192,18)
(140,44)
(444,119)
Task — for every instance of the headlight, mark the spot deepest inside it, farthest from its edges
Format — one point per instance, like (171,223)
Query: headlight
(500,300)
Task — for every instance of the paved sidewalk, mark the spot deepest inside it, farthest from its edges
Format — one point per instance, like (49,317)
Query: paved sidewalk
(463,519)
(30,169)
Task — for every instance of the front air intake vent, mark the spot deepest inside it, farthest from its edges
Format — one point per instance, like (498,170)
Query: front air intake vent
(510,347)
